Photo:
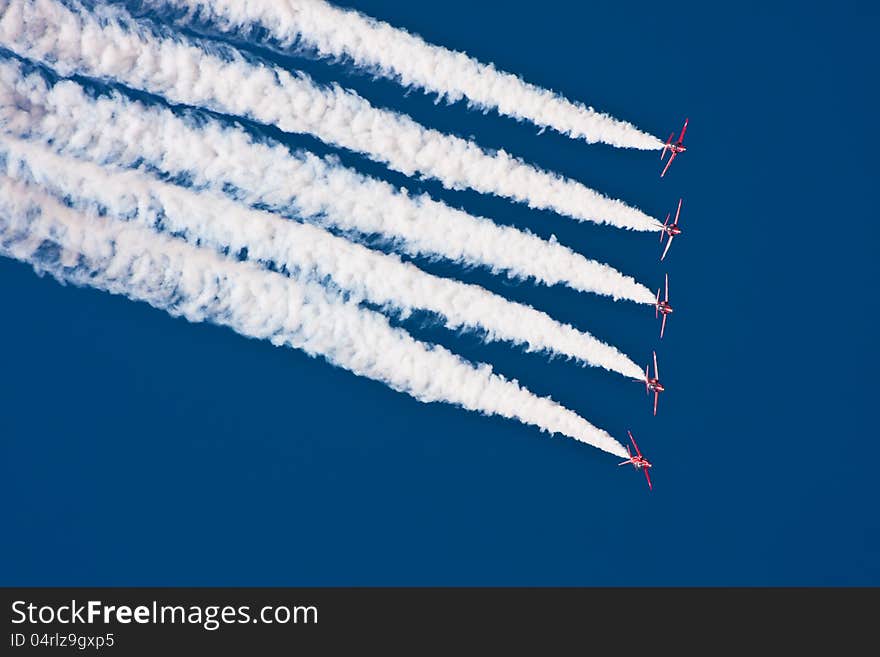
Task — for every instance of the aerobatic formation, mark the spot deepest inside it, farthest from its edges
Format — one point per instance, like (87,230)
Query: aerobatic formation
(132,161)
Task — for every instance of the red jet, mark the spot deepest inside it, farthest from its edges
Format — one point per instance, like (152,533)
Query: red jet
(662,308)
(638,461)
(653,384)
(670,230)
(675,148)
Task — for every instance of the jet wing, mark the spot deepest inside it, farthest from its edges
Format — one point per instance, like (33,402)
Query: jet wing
(683,129)
(667,247)
(666,168)
(648,477)
(635,444)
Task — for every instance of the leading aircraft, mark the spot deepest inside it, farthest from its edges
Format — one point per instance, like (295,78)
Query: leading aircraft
(670,230)
(662,308)
(652,384)
(674,149)
(638,461)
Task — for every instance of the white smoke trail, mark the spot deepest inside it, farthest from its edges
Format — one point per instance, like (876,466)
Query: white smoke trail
(406,58)
(118,48)
(311,252)
(202,286)
(119,131)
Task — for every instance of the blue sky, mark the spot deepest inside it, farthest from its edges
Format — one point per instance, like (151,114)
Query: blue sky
(140,449)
